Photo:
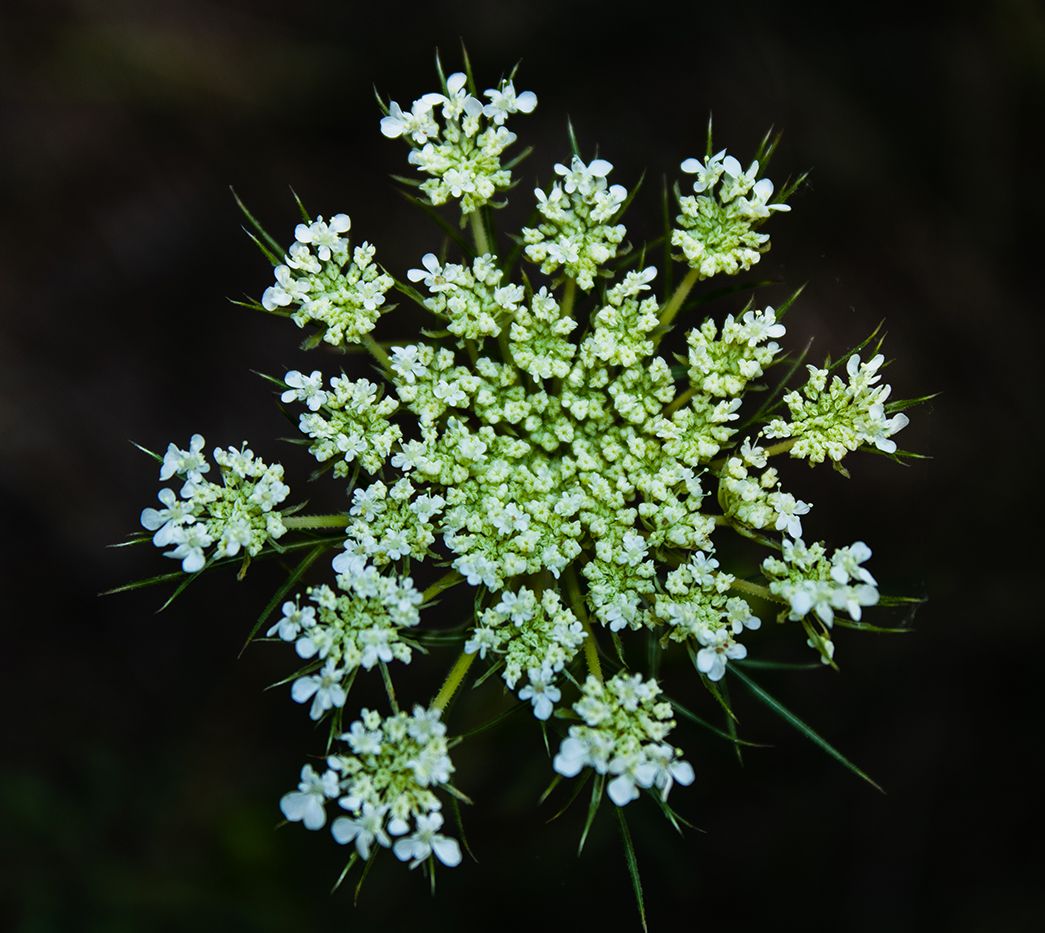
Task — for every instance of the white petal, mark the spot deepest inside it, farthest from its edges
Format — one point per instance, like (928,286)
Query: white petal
(447,851)
(526,101)
(600,168)
(456,81)
(622,790)
(340,223)
(690,166)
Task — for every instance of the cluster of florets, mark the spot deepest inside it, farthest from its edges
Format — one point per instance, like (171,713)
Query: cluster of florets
(470,298)
(718,225)
(386,782)
(463,153)
(329,284)
(357,625)
(577,234)
(536,636)
(813,584)
(540,446)
(349,421)
(623,735)
(832,420)
(216,520)
(697,607)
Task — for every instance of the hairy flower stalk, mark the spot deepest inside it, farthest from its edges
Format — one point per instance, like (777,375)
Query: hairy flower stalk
(539,447)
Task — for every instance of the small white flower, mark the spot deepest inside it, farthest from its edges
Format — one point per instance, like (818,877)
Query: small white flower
(307,389)
(426,841)
(707,172)
(542,692)
(504,102)
(324,689)
(306,804)
(163,521)
(190,464)
(364,830)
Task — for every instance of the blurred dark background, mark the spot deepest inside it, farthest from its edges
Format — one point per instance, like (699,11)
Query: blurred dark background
(142,762)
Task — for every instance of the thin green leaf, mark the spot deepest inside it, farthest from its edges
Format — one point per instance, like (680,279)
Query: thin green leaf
(593,808)
(366,871)
(633,865)
(574,147)
(905,403)
(574,794)
(759,665)
(181,588)
(352,859)
(490,723)
(831,367)
(771,401)
(715,730)
(456,808)
(472,87)
(253,221)
(791,719)
(145,450)
(875,629)
(439,219)
(305,216)
(307,561)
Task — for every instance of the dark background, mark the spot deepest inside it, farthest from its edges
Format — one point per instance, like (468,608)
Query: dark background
(142,763)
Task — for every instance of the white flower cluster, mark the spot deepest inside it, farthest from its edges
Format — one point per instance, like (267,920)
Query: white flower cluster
(831,420)
(577,234)
(718,225)
(542,443)
(623,735)
(723,364)
(471,299)
(810,582)
(696,605)
(390,523)
(537,636)
(357,625)
(759,502)
(463,155)
(236,515)
(328,283)
(387,784)
(350,420)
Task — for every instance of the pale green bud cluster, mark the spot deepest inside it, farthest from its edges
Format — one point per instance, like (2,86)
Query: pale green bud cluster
(386,782)
(215,520)
(830,420)
(536,636)
(717,228)
(625,725)
(577,233)
(464,153)
(329,284)
(349,422)
(470,298)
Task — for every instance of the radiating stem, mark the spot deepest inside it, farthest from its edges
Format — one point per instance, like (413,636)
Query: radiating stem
(377,352)
(453,680)
(782,447)
(482,242)
(755,589)
(679,401)
(591,646)
(667,315)
(450,578)
(569,295)
(315,521)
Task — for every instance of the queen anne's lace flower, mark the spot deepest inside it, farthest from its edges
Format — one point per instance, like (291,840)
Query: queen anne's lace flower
(718,227)
(237,515)
(328,283)
(385,780)
(623,735)
(831,420)
(576,233)
(546,447)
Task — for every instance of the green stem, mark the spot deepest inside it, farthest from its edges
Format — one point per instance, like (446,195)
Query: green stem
(755,589)
(450,578)
(782,447)
(315,521)
(482,242)
(591,646)
(667,314)
(453,681)
(569,295)
(679,401)
(377,352)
